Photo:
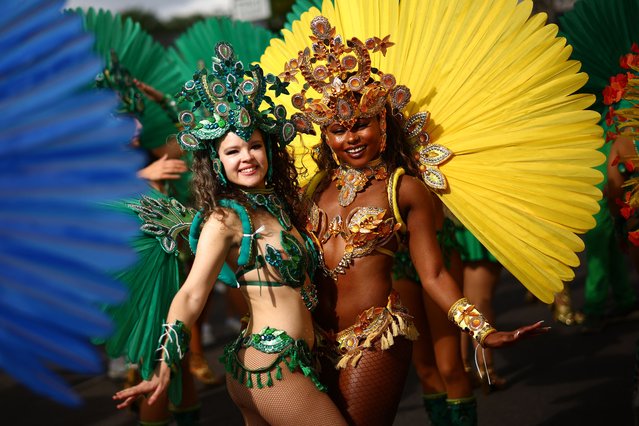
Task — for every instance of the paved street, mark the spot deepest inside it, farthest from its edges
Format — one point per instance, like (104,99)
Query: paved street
(562,379)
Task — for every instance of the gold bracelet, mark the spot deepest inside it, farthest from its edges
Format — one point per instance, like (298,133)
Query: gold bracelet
(469,319)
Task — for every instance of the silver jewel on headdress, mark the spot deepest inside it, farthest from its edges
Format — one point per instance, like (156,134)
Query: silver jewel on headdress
(429,155)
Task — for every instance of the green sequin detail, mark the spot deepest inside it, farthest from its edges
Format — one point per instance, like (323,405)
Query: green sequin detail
(293,270)
(270,340)
(300,258)
(268,200)
(294,354)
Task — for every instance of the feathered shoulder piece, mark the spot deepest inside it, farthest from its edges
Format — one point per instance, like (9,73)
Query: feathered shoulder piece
(165,219)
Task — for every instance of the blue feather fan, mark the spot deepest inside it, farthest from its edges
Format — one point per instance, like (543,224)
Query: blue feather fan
(62,156)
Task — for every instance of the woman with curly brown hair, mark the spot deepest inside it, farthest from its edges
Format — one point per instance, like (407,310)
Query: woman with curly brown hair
(245,184)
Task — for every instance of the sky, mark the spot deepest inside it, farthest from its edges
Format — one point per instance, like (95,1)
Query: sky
(163,9)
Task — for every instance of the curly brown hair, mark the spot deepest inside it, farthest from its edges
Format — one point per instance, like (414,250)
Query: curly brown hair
(207,188)
(397,153)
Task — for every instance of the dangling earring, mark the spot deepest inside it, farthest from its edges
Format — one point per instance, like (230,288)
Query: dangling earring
(382,128)
(218,168)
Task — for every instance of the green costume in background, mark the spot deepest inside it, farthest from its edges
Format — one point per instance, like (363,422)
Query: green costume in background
(606,266)
(601,32)
(441,410)
(470,249)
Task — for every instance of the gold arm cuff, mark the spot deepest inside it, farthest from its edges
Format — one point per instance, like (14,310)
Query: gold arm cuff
(470,320)
(484,334)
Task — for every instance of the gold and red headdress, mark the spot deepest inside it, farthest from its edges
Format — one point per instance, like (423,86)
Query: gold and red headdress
(350,88)
(340,70)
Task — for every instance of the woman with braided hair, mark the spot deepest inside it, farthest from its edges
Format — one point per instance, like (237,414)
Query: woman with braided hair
(364,205)
(382,161)
(372,345)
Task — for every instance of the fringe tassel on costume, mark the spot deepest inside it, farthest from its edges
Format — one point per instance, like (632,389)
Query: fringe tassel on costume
(374,324)
(294,354)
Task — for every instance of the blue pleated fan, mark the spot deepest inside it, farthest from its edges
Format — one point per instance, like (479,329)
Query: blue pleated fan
(62,156)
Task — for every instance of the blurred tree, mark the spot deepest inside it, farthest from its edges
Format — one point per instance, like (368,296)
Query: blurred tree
(163,32)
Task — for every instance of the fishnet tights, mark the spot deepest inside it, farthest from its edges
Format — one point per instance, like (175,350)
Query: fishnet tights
(369,394)
(294,400)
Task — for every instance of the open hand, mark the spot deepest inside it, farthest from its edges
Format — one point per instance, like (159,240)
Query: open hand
(504,338)
(152,389)
(163,168)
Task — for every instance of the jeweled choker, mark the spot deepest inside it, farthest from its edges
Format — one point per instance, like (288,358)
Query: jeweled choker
(267,199)
(350,180)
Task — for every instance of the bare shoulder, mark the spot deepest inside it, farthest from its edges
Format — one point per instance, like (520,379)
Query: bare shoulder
(411,191)
(223,223)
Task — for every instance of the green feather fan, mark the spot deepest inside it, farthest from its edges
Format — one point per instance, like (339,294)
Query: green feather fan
(197,43)
(601,31)
(299,7)
(146,61)
(152,282)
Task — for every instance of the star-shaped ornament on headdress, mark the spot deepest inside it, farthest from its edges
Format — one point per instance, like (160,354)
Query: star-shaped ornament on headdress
(379,45)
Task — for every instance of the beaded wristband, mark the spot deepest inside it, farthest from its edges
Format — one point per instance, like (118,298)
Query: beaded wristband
(469,319)
(174,343)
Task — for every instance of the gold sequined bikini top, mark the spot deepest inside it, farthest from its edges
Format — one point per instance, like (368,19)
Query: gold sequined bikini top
(364,229)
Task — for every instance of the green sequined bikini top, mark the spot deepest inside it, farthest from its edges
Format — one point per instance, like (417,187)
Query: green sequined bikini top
(292,263)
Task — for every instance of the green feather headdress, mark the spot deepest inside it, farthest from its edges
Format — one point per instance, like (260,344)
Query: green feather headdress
(119,79)
(228,99)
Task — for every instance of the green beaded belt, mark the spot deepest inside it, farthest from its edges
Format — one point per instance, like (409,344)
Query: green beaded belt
(293,353)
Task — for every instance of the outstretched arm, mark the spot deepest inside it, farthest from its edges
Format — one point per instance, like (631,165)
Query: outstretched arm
(149,91)
(217,237)
(165,101)
(418,209)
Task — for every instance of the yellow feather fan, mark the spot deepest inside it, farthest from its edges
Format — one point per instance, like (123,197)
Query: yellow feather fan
(501,93)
